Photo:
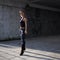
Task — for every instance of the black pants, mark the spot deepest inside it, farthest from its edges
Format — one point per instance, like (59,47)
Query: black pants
(22,34)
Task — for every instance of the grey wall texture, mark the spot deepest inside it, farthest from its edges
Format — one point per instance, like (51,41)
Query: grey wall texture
(8,22)
(9,19)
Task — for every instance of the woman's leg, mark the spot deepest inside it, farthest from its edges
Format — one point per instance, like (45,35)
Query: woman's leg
(23,42)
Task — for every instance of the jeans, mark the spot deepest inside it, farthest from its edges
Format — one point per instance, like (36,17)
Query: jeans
(22,35)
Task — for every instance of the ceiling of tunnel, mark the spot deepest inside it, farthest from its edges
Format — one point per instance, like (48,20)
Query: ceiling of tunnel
(48,4)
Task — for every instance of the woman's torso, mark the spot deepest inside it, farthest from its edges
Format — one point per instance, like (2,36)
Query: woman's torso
(22,24)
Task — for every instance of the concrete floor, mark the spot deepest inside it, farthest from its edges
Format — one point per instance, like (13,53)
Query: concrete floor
(43,48)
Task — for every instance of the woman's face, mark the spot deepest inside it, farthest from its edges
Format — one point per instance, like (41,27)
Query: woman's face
(21,13)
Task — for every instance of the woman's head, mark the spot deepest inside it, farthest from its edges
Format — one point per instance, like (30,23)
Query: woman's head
(22,13)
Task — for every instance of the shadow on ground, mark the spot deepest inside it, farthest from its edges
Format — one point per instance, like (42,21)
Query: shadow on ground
(50,44)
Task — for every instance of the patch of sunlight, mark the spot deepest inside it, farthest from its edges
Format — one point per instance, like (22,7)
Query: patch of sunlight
(45,54)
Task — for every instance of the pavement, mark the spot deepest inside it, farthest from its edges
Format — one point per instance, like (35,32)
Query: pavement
(38,48)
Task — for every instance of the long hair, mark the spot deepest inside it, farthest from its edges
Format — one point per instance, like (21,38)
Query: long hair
(22,11)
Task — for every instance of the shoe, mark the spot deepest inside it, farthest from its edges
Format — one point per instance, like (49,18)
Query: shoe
(22,51)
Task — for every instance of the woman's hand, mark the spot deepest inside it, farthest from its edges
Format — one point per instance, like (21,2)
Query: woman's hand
(25,32)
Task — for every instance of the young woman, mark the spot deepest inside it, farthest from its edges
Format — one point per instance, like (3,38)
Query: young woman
(23,29)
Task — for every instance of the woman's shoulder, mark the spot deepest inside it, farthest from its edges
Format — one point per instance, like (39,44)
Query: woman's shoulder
(25,19)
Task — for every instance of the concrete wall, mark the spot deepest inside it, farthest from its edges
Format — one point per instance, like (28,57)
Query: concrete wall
(43,22)
(9,18)
(40,22)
